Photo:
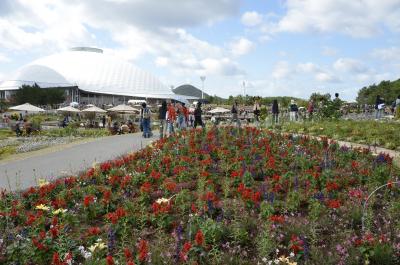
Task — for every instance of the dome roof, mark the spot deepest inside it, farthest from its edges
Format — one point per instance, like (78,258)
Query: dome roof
(92,71)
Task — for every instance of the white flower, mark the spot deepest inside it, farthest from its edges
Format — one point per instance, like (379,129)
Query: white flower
(42,182)
(162,200)
(58,211)
(291,254)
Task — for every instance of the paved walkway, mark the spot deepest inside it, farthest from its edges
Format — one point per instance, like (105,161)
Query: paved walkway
(71,160)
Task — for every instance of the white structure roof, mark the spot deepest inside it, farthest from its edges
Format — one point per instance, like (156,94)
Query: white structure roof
(91,71)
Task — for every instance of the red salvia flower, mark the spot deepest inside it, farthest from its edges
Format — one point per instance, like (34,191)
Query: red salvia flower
(199,238)
(88,200)
(95,230)
(143,250)
(56,259)
(333,204)
(110,260)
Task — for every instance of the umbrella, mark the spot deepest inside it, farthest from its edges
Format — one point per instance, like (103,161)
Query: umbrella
(94,109)
(219,110)
(27,107)
(74,104)
(123,109)
(68,109)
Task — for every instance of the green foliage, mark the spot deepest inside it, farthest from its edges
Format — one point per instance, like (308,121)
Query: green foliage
(38,96)
(389,90)
(386,134)
(265,243)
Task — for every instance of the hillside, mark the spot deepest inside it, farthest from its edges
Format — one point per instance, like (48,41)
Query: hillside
(189,90)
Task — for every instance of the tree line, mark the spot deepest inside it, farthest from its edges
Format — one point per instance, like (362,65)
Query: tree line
(389,90)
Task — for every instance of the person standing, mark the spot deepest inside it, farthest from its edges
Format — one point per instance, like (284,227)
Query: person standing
(162,114)
(379,106)
(197,116)
(145,115)
(275,111)
(181,117)
(397,107)
(293,110)
(256,112)
(103,121)
(185,112)
(171,118)
(235,114)
(310,109)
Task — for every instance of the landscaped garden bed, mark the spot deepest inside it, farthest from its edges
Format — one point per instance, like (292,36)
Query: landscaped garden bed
(373,133)
(218,197)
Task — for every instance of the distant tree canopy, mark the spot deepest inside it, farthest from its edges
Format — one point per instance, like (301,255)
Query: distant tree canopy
(38,96)
(249,100)
(389,90)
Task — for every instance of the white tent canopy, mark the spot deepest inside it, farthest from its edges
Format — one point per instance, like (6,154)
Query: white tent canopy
(68,109)
(94,109)
(123,109)
(27,107)
(219,110)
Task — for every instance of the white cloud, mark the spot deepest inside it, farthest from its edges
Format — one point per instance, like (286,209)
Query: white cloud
(355,18)
(4,58)
(282,70)
(329,51)
(241,47)
(387,54)
(251,19)
(161,61)
(308,67)
(326,77)
(349,65)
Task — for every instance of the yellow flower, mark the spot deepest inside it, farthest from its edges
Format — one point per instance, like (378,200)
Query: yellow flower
(42,182)
(99,245)
(42,207)
(58,211)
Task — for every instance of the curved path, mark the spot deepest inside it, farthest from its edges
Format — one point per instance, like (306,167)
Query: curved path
(23,173)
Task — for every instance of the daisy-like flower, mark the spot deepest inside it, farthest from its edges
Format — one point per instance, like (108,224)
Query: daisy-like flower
(59,211)
(43,182)
(99,245)
(42,207)
(162,200)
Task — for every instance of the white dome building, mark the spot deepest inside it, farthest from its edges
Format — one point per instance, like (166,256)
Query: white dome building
(89,76)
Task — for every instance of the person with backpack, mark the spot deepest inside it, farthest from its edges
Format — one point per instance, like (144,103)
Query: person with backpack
(293,109)
(197,116)
(162,113)
(145,115)
(235,114)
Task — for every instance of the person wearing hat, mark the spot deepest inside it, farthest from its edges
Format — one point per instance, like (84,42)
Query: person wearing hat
(293,110)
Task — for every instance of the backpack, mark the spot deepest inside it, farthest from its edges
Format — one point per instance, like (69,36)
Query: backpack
(146,113)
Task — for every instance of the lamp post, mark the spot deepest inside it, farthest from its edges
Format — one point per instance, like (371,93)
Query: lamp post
(202,78)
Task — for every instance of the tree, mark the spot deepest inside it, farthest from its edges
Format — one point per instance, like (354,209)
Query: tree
(389,90)
(39,96)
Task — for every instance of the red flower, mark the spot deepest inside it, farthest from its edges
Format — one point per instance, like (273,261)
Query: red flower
(199,238)
(106,196)
(155,174)
(56,259)
(110,260)
(106,166)
(193,208)
(186,248)
(54,232)
(88,200)
(95,230)
(128,254)
(256,197)
(277,219)
(143,250)
(330,186)
(146,187)
(333,204)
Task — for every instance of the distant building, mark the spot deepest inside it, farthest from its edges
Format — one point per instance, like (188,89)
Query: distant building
(87,75)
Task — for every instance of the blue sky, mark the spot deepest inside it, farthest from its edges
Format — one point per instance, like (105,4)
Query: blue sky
(279,48)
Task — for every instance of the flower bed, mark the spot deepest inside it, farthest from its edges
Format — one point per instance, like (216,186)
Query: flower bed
(374,133)
(217,197)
